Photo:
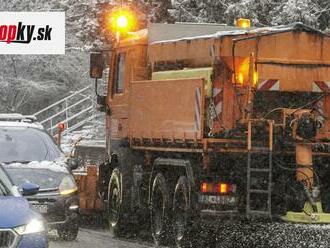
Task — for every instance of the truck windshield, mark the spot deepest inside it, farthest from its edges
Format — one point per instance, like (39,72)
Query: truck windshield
(25,145)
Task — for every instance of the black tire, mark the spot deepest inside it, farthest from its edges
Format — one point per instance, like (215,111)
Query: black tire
(116,218)
(182,226)
(160,211)
(68,233)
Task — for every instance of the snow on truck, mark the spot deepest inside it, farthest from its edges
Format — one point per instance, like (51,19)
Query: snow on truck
(212,122)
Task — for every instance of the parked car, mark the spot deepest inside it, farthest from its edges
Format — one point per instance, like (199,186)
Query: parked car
(20,226)
(29,155)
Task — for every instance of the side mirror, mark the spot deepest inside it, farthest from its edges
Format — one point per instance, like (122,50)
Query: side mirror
(29,189)
(72,163)
(96,65)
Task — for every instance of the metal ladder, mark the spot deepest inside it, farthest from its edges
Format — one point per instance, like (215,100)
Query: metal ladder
(254,172)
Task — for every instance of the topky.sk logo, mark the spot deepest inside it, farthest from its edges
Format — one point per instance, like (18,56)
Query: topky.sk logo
(32,32)
(21,33)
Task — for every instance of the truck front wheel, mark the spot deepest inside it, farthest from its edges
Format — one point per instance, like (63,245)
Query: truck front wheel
(115,204)
(160,211)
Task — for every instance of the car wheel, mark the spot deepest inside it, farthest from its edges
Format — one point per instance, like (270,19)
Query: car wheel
(159,211)
(68,233)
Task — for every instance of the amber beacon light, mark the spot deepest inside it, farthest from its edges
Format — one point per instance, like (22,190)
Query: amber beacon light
(122,20)
(243,23)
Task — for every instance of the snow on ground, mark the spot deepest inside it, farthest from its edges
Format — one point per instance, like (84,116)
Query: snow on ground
(260,235)
(49,165)
(88,238)
(230,235)
(92,135)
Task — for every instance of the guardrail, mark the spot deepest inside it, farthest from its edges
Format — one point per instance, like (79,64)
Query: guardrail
(73,111)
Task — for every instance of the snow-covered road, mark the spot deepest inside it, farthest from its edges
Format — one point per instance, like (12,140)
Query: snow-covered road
(89,238)
(242,235)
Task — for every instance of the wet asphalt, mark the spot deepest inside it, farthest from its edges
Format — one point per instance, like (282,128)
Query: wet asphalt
(229,235)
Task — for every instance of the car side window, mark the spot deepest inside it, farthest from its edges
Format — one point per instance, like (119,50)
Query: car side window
(119,73)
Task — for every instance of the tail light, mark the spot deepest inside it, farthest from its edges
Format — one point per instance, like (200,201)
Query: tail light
(223,188)
(217,188)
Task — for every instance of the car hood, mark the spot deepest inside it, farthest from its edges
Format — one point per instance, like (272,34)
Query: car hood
(15,211)
(55,166)
(46,174)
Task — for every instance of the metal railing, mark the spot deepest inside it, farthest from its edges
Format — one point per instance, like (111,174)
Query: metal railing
(73,111)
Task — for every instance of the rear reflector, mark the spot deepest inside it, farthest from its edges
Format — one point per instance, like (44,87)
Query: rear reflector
(217,188)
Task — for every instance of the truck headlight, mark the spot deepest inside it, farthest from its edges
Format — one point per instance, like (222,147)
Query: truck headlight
(34,226)
(67,186)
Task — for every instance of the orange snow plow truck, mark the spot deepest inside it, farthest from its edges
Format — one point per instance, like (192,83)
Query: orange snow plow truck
(209,122)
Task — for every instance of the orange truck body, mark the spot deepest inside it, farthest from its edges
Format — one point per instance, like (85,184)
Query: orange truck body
(153,115)
(297,60)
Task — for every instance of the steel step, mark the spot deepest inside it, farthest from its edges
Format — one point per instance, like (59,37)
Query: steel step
(260,149)
(259,170)
(259,191)
(259,212)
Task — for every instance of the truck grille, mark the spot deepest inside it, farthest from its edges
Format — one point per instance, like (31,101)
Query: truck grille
(7,238)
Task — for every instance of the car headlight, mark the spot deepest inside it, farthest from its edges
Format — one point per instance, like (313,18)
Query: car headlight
(34,226)
(67,186)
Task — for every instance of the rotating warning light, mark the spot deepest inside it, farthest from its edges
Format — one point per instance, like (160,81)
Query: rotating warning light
(243,23)
(121,20)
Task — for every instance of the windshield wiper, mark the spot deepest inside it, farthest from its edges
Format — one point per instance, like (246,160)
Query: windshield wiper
(3,189)
(17,161)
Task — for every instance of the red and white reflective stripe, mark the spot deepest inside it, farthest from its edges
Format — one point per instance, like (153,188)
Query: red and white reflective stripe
(321,86)
(198,108)
(269,85)
(217,100)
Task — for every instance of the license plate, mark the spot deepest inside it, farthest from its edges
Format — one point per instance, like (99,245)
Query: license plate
(214,199)
(41,208)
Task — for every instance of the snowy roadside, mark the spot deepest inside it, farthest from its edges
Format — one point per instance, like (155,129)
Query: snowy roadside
(89,135)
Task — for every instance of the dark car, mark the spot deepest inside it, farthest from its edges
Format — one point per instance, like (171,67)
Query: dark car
(30,155)
(20,226)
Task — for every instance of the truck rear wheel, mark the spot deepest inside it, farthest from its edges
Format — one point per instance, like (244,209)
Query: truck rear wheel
(160,211)
(115,205)
(181,213)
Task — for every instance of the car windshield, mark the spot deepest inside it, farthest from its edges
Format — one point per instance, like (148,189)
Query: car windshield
(46,179)
(5,183)
(26,144)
